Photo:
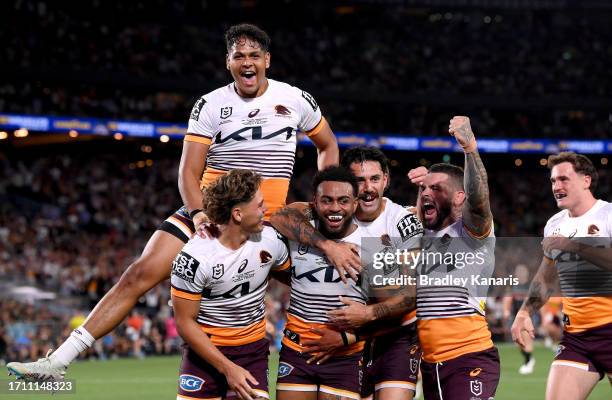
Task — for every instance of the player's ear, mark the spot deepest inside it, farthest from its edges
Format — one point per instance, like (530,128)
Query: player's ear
(237,214)
(227,61)
(267,58)
(587,182)
(458,198)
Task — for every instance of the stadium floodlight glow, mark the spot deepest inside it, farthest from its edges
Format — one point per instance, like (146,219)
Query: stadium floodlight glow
(118,136)
(543,162)
(146,149)
(72,133)
(604,161)
(3,135)
(164,138)
(21,133)
(518,162)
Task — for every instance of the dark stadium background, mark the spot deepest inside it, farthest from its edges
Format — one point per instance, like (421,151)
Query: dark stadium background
(75,211)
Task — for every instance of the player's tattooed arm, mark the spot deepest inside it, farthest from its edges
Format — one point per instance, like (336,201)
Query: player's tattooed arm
(477,215)
(541,288)
(401,299)
(293,221)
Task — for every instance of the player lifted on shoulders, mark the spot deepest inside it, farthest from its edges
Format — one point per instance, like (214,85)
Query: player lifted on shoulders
(577,251)
(459,359)
(250,123)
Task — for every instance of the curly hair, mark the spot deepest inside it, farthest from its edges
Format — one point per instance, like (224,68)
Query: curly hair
(582,165)
(336,174)
(238,186)
(249,31)
(362,154)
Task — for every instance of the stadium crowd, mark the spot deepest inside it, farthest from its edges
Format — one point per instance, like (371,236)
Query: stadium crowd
(96,60)
(71,224)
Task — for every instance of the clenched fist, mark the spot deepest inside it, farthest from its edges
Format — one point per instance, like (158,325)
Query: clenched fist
(462,131)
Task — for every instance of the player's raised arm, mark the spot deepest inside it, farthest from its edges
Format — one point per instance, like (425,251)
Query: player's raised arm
(293,222)
(477,216)
(540,290)
(327,146)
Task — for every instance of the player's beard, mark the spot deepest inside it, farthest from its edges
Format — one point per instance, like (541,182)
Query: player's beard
(443,210)
(337,233)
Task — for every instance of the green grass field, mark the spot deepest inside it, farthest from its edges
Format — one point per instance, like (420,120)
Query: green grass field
(156,377)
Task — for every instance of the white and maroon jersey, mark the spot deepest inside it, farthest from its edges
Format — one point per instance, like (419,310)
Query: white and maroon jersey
(451,318)
(254,133)
(586,288)
(230,284)
(316,289)
(396,228)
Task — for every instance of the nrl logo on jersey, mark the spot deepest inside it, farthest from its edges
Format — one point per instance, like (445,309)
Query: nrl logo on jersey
(226,112)
(218,271)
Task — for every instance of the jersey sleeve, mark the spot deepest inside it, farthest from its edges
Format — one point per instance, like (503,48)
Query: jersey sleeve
(200,126)
(311,120)
(282,261)
(188,276)
(408,231)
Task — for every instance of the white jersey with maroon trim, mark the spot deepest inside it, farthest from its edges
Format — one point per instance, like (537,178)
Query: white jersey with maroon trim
(586,288)
(396,228)
(230,284)
(255,133)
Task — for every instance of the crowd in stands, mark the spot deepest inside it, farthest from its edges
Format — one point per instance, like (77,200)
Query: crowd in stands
(72,224)
(373,68)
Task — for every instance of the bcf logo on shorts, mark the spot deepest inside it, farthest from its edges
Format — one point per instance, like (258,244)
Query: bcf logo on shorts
(284,369)
(190,383)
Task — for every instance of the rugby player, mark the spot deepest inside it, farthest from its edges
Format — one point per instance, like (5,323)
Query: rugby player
(387,226)
(250,123)
(576,247)
(316,289)
(218,289)
(459,359)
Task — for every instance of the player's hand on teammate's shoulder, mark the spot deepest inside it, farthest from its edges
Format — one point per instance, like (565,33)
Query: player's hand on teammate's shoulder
(460,128)
(344,257)
(417,175)
(203,227)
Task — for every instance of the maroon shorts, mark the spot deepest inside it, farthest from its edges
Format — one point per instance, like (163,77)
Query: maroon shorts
(393,361)
(339,376)
(200,380)
(467,377)
(590,350)
(179,225)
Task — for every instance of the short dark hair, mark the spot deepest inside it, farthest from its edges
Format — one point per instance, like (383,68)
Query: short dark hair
(362,154)
(582,165)
(237,186)
(454,172)
(335,174)
(249,31)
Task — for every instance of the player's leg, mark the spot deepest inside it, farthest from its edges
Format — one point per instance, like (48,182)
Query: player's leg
(527,352)
(152,267)
(296,395)
(394,393)
(570,383)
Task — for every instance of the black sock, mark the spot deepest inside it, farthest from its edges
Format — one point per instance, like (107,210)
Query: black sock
(526,355)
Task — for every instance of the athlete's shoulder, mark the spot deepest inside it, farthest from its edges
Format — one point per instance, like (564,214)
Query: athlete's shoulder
(200,248)
(296,94)
(403,219)
(554,221)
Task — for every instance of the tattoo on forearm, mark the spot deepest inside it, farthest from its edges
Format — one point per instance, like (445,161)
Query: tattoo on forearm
(296,226)
(538,295)
(477,189)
